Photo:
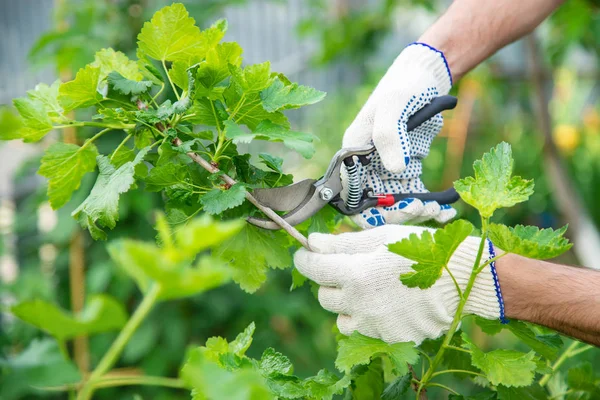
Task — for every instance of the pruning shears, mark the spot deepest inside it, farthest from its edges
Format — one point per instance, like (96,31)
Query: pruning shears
(304,199)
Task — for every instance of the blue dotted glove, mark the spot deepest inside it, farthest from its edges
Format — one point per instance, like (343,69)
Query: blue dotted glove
(418,75)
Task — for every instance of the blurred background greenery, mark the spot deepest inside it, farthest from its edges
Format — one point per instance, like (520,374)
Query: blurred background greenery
(343,47)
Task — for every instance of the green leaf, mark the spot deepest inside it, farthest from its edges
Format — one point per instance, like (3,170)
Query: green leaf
(64,165)
(48,95)
(186,101)
(201,234)
(530,241)
(216,67)
(126,86)
(431,253)
(122,155)
(10,125)
(171,35)
(368,381)
(169,175)
(397,388)
(40,365)
(493,187)
(358,349)
(503,367)
(273,362)
(490,326)
(248,173)
(546,345)
(534,392)
(583,378)
(34,119)
(208,273)
(249,109)
(153,116)
(211,382)
(102,205)
(143,138)
(252,79)
(178,74)
(101,314)
(145,264)
(169,266)
(273,367)
(242,341)
(274,163)
(216,201)
(108,60)
(266,130)
(38,111)
(148,70)
(118,116)
(325,385)
(280,96)
(216,346)
(268,249)
(583,381)
(298,279)
(82,91)
(205,112)
(286,386)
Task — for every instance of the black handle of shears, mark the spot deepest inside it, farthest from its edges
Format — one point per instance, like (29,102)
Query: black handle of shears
(448,196)
(436,106)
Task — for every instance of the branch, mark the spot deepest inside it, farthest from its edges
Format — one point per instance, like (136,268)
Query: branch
(266,210)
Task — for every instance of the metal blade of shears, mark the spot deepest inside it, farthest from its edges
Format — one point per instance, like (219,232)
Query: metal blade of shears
(285,198)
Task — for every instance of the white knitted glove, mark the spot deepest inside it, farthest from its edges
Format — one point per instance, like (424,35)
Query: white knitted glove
(419,74)
(359,280)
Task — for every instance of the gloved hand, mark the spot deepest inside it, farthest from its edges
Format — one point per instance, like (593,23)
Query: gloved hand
(359,280)
(419,74)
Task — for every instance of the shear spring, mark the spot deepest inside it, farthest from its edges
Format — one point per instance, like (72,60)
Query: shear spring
(354,191)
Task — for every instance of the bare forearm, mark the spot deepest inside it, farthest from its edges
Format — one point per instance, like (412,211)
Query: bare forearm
(472,30)
(563,298)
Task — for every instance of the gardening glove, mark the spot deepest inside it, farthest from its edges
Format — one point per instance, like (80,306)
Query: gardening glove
(359,280)
(419,74)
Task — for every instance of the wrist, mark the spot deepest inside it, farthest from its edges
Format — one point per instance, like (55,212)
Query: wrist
(430,59)
(519,277)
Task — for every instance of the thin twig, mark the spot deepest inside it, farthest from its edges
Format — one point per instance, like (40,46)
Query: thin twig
(266,210)
(444,387)
(421,392)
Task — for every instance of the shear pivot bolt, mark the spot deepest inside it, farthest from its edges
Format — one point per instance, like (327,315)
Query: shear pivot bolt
(326,194)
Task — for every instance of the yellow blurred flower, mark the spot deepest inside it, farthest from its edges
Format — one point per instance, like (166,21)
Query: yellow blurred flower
(566,137)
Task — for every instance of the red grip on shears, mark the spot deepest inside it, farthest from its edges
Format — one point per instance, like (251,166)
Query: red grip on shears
(385,200)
